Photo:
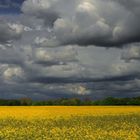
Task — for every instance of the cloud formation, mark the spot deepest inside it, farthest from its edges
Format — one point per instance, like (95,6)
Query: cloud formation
(103,23)
(61,56)
(132,52)
(57,48)
(10,31)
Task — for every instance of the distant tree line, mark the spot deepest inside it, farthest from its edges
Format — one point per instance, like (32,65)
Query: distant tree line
(71,102)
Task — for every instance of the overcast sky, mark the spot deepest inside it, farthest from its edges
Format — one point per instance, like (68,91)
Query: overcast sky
(69,48)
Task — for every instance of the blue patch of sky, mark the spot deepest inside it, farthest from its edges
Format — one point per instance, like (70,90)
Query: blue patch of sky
(10,6)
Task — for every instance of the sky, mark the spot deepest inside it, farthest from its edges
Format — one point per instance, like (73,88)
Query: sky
(69,49)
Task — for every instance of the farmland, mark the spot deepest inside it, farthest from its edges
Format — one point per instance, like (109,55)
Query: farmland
(70,123)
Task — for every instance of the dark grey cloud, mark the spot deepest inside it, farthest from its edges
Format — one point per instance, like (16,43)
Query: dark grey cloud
(93,90)
(103,23)
(9,55)
(39,57)
(130,5)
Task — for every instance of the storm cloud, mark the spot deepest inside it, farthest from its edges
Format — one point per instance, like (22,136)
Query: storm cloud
(70,48)
(103,23)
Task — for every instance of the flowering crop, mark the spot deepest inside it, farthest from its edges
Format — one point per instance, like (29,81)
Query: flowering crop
(69,123)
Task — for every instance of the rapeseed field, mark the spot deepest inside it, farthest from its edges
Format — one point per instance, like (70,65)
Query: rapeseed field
(70,123)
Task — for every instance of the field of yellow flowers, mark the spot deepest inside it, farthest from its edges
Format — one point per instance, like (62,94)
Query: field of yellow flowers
(70,123)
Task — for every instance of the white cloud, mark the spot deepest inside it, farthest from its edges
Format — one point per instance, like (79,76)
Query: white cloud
(80,90)
(46,42)
(12,74)
(68,70)
(122,68)
(62,55)
(17,28)
(132,52)
(40,9)
(10,31)
(77,89)
(34,6)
